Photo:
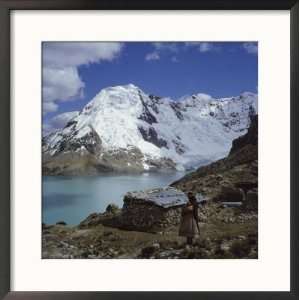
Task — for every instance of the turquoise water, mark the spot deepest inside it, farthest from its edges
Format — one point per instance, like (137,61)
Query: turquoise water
(72,199)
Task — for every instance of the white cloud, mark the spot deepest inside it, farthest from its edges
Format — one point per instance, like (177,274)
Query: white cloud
(206,47)
(172,47)
(161,49)
(49,107)
(203,46)
(152,56)
(71,54)
(61,84)
(191,44)
(61,80)
(59,121)
(251,47)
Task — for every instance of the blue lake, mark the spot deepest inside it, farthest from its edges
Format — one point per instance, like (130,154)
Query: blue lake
(72,199)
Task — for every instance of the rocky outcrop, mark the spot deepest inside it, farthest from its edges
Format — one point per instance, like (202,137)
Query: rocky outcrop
(251,201)
(150,135)
(231,193)
(250,138)
(90,142)
(111,217)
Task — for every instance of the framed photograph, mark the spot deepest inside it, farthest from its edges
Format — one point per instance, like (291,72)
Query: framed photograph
(149,149)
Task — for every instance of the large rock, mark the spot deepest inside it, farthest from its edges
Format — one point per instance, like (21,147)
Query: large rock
(110,218)
(246,185)
(231,194)
(251,202)
(250,138)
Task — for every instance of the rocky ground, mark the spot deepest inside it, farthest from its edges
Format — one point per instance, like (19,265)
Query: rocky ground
(225,233)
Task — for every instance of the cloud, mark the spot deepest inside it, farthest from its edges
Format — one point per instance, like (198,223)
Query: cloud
(203,46)
(61,84)
(59,121)
(49,107)
(152,56)
(71,54)
(171,47)
(61,79)
(251,47)
(161,49)
(206,47)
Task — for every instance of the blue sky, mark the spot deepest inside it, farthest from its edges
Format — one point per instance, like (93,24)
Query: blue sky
(73,73)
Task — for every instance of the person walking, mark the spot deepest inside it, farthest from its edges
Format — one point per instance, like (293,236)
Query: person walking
(189,226)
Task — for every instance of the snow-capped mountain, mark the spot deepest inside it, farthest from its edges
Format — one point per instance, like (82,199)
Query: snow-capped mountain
(124,129)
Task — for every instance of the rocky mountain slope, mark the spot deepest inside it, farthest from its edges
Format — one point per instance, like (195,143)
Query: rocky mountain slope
(124,129)
(234,178)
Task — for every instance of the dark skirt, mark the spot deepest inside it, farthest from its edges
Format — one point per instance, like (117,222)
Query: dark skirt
(188,226)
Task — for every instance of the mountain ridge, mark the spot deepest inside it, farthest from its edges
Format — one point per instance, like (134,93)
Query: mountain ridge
(124,129)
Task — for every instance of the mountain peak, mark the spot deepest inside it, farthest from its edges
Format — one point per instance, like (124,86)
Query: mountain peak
(248,94)
(129,87)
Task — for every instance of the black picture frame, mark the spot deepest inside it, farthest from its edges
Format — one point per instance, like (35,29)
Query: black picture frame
(6,6)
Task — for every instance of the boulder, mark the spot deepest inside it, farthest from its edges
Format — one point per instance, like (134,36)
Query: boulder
(246,185)
(61,223)
(94,219)
(251,202)
(231,194)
